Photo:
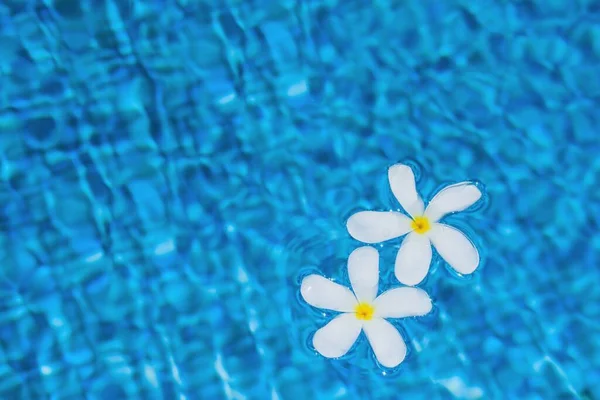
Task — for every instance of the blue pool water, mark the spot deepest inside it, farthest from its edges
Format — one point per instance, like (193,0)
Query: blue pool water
(171,169)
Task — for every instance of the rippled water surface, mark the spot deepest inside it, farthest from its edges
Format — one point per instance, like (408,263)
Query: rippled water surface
(169,170)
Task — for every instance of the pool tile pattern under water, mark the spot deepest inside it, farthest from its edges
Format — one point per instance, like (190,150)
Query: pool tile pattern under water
(171,169)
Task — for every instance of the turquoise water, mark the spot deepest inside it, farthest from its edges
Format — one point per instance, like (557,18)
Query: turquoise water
(171,169)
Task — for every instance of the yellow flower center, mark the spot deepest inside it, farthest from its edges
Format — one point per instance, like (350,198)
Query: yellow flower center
(364,311)
(421,225)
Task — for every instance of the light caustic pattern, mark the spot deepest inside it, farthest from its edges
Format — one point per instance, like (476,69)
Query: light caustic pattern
(169,170)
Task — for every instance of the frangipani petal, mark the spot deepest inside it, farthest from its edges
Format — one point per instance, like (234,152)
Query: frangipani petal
(413,259)
(386,341)
(320,292)
(402,183)
(363,269)
(455,248)
(453,198)
(337,337)
(402,302)
(378,226)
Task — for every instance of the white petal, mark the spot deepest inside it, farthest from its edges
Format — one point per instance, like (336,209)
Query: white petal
(413,259)
(378,226)
(402,302)
(455,248)
(453,198)
(387,344)
(322,293)
(337,337)
(402,183)
(363,269)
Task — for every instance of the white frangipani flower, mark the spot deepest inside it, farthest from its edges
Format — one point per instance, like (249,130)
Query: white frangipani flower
(423,227)
(363,309)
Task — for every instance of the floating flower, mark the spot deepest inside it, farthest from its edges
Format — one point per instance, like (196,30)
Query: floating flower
(423,227)
(363,310)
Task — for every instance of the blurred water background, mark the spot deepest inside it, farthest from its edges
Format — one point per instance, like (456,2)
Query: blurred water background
(170,169)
